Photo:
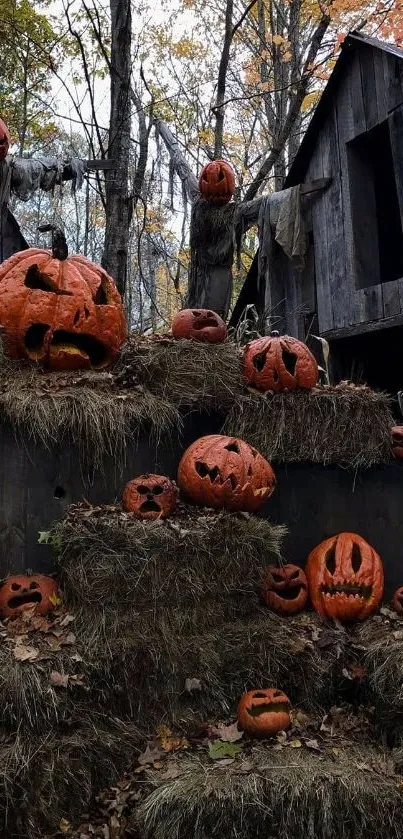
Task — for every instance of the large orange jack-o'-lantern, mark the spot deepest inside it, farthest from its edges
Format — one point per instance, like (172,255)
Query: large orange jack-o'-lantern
(279,363)
(199,325)
(24,591)
(285,589)
(5,140)
(150,497)
(345,578)
(217,182)
(263,713)
(219,471)
(61,311)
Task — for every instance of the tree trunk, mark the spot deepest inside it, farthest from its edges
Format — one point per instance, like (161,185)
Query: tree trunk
(118,213)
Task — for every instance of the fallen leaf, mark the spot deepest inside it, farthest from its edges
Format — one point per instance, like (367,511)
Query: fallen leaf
(69,640)
(55,600)
(218,749)
(228,733)
(76,657)
(299,645)
(398,634)
(25,653)
(225,762)
(170,773)
(67,620)
(168,741)
(53,642)
(313,744)
(76,680)
(44,537)
(150,755)
(192,684)
(346,674)
(295,744)
(64,825)
(59,680)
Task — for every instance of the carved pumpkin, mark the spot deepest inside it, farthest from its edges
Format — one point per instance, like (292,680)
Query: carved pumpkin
(345,578)
(225,472)
(63,312)
(5,140)
(397,440)
(279,363)
(200,325)
(397,601)
(24,591)
(264,713)
(217,182)
(285,589)
(150,497)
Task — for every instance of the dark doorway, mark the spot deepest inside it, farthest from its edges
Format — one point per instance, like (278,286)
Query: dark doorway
(374,358)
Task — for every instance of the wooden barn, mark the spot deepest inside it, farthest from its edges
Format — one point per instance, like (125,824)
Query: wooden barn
(351,289)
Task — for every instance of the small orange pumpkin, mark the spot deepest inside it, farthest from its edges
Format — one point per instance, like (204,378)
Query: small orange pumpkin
(217,182)
(263,713)
(199,325)
(225,472)
(61,311)
(25,591)
(285,589)
(279,363)
(397,440)
(5,140)
(150,497)
(397,601)
(345,578)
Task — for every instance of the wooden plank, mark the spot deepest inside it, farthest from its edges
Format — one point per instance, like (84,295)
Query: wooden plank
(391,299)
(320,241)
(363,213)
(352,81)
(363,328)
(366,59)
(331,204)
(393,74)
(380,87)
(13,503)
(396,142)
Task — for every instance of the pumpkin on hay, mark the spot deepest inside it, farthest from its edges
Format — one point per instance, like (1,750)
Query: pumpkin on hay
(150,497)
(263,713)
(397,601)
(199,325)
(5,140)
(279,363)
(64,312)
(397,440)
(285,589)
(345,578)
(217,182)
(26,591)
(225,472)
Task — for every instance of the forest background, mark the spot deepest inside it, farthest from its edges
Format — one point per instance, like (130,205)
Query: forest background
(231,79)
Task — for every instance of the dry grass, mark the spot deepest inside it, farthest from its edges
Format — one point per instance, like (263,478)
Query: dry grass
(346,424)
(381,643)
(184,373)
(85,408)
(347,793)
(112,562)
(55,776)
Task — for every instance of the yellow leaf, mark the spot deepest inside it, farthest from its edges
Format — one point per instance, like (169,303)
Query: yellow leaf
(278,39)
(55,600)
(64,826)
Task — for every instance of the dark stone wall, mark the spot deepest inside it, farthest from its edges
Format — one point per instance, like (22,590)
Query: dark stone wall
(37,486)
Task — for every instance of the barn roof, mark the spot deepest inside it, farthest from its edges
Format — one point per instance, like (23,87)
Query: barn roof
(301,161)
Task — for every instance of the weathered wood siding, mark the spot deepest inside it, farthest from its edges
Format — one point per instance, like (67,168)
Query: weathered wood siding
(369,91)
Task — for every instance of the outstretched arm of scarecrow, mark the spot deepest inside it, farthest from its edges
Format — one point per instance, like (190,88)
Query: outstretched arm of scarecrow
(178,161)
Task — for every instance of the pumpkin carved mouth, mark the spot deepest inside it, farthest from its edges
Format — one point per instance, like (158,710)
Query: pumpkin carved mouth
(39,341)
(291,593)
(269,708)
(203,321)
(347,589)
(24,598)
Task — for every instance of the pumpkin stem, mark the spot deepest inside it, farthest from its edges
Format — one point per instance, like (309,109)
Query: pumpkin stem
(274,333)
(59,245)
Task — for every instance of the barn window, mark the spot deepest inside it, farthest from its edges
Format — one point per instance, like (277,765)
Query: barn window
(375,212)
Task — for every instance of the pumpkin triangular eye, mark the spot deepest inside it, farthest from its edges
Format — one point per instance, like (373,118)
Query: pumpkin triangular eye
(101,298)
(330,560)
(356,558)
(289,361)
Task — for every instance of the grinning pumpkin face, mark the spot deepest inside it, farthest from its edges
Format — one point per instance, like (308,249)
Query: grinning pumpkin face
(279,363)
(397,440)
(200,325)
(150,497)
(397,601)
(5,140)
(345,578)
(285,589)
(65,313)
(225,472)
(263,713)
(23,591)
(217,182)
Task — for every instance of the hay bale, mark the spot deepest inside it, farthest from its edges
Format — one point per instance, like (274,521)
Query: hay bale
(346,425)
(183,373)
(343,793)
(86,408)
(112,562)
(380,641)
(55,776)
